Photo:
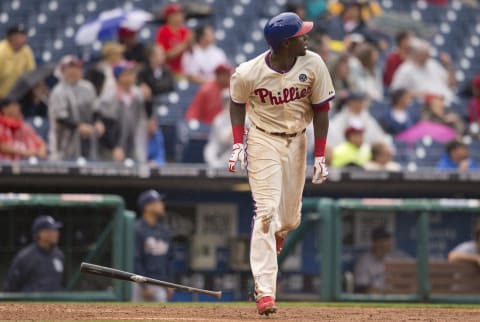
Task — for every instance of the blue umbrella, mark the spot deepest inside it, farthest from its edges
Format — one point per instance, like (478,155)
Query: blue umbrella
(106,25)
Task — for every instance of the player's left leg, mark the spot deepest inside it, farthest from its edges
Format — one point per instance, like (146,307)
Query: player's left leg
(293,167)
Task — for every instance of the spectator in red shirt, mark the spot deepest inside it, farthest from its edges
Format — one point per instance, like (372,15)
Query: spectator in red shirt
(474,104)
(208,103)
(174,37)
(18,139)
(397,57)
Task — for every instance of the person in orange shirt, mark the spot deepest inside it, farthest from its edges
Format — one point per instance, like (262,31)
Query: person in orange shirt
(208,103)
(174,37)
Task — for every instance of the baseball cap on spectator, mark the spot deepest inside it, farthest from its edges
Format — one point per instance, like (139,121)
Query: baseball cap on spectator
(125,32)
(16,29)
(354,126)
(223,68)
(112,48)
(121,67)
(380,233)
(476,82)
(70,60)
(147,197)
(45,222)
(171,9)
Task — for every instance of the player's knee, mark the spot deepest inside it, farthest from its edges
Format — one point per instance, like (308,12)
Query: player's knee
(292,225)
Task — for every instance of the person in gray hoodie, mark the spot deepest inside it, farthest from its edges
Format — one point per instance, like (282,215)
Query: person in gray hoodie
(73,132)
(122,110)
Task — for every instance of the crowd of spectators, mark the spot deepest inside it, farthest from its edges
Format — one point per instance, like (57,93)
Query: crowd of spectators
(105,110)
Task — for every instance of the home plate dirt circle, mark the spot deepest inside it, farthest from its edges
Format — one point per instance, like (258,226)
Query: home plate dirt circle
(223,312)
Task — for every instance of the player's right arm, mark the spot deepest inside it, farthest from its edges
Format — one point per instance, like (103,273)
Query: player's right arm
(239,94)
(237,117)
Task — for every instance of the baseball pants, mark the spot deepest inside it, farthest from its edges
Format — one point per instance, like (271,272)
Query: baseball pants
(276,171)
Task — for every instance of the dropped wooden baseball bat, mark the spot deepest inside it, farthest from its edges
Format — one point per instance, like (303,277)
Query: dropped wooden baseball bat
(126,276)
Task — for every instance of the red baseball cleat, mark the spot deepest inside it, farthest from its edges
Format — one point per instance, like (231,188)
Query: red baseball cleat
(279,241)
(266,305)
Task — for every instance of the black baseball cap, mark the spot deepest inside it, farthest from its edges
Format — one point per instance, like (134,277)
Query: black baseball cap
(16,29)
(45,222)
(380,233)
(147,197)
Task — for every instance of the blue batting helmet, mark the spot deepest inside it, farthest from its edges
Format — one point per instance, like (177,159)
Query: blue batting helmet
(284,26)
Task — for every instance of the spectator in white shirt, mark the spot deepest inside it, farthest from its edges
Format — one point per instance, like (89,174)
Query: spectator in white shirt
(217,151)
(356,110)
(199,64)
(421,74)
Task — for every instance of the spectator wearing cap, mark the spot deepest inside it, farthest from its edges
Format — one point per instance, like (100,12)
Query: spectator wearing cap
(356,108)
(352,152)
(174,37)
(365,77)
(39,266)
(112,54)
(422,75)
(134,50)
(153,251)
(468,251)
(122,111)
(456,157)
(208,101)
(369,269)
(398,119)
(199,63)
(73,132)
(474,104)
(382,159)
(397,56)
(18,139)
(435,110)
(16,58)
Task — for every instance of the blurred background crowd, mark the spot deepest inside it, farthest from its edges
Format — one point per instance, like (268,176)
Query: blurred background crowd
(147,81)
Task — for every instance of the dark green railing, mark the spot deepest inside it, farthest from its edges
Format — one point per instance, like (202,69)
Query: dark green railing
(117,234)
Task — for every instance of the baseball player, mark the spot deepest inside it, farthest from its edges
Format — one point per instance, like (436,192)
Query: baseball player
(287,87)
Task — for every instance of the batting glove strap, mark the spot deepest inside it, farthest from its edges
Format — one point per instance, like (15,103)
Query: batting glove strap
(320,171)
(238,155)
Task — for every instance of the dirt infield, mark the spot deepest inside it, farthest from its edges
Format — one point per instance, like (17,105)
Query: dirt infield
(225,312)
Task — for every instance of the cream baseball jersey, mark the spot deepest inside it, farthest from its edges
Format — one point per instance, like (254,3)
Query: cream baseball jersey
(282,102)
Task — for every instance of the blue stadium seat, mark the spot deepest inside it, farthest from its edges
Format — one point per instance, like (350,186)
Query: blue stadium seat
(191,140)
(378,109)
